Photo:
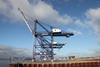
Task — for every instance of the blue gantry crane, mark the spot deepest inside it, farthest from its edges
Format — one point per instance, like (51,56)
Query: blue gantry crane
(45,43)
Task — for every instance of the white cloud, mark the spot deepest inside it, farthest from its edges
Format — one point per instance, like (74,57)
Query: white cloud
(40,9)
(76,32)
(2,4)
(47,13)
(9,9)
(93,16)
(36,9)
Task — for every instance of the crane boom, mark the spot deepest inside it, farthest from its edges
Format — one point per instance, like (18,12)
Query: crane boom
(25,19)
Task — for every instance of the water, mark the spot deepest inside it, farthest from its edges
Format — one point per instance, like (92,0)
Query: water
(4,63)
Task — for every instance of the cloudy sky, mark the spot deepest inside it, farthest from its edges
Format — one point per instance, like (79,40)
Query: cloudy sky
(79,16)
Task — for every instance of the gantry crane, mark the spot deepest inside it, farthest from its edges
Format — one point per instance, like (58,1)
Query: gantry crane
(44,45)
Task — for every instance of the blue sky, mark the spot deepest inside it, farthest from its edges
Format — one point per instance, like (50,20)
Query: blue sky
(73,7)
(79,16)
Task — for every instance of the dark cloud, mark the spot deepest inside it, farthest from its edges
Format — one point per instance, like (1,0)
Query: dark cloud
(7,52)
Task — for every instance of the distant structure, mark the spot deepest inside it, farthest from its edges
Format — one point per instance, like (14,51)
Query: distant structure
(71,57)
(45,43)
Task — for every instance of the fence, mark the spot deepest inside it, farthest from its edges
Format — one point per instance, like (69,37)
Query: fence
(82,64)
